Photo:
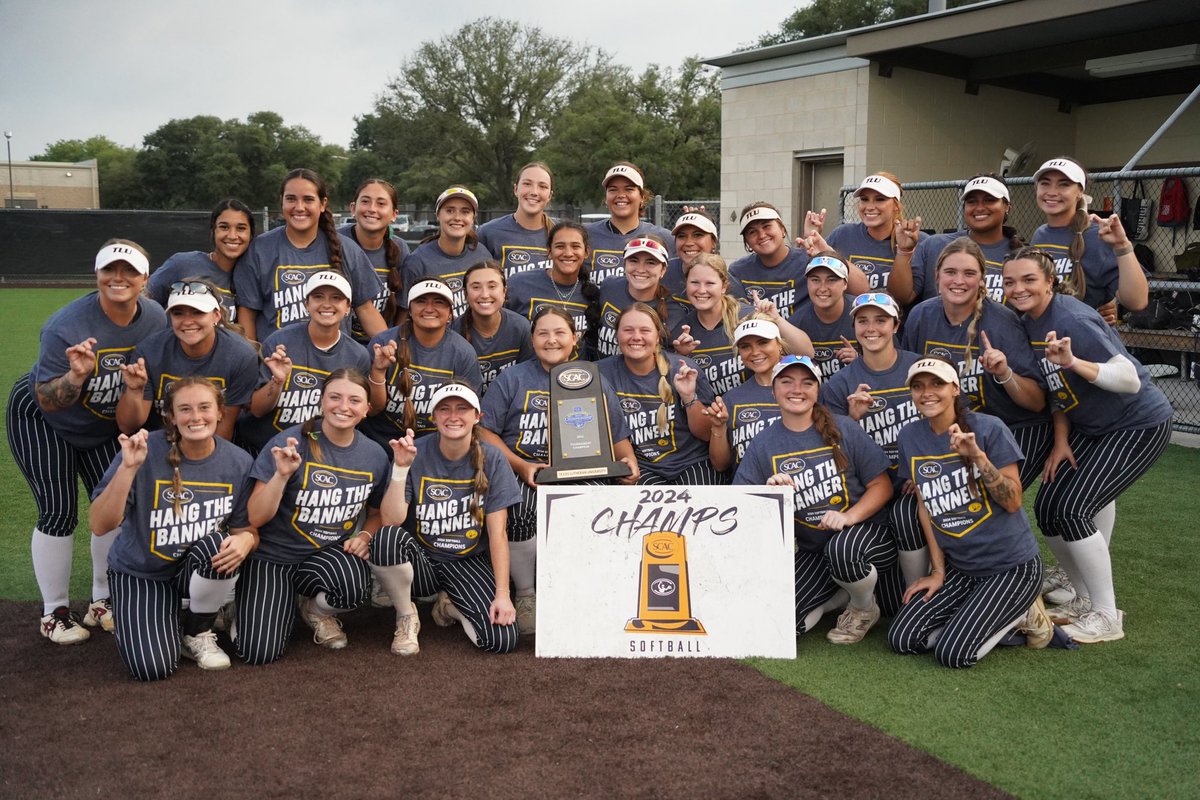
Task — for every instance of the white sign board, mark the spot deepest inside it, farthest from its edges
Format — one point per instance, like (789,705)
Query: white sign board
(656,571)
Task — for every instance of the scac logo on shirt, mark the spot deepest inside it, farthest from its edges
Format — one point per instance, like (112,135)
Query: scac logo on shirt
(518,257)
(438,492)
(877,404)
(608,260)
(304,380)
(485,366)
(455,284)
(822,353)
(630,405)
(611,318)
(749,415)
(702,360)
(540,402)
(929,470)
(940,351)
(324,479)
(414,376)
(793,465)
(755,292)
(867,267)
(293,277)
(113,361)
(183,496)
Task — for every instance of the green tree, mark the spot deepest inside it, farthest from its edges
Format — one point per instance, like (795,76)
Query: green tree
(119,184)
(830,16)
(193,163)
(471,108)
(667,122)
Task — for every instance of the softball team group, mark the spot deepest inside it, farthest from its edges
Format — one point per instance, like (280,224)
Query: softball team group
(313,419)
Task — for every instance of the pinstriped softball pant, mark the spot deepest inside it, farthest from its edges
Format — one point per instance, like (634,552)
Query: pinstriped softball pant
(50,464)
(266,597)
(970,610)
(147,611)
(848,556)
(701,473)
(1034,441)
(1106,466)
(470,583)
(522,518)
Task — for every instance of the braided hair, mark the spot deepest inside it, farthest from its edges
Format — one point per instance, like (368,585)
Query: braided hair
(325,222)
(171,429)
(964,244)
(665,392)
(310,428)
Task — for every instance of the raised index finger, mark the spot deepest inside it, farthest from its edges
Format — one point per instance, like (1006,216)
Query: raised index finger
(983,337)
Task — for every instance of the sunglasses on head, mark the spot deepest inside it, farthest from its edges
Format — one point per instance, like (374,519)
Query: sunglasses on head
(190,287)
(873,299)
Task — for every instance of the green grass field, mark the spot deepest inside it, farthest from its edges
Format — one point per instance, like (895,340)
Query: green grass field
(1111,720)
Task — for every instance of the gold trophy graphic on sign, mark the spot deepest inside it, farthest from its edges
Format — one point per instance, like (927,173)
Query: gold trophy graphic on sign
(664,598)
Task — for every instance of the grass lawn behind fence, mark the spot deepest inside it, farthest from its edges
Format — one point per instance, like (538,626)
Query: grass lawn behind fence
(1109,720)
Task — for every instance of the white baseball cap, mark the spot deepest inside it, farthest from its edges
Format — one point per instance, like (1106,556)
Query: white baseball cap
(644,245)
(328,278)
(460,390)
(1067,167)
(936,367)
(112,253)
(885,186)
(834,265)
(755,214)
(696,221)
(988,185)
(883,302)
(461,192)
(796,361)
(203,301)
(763,328)
(422,288)
(623,171)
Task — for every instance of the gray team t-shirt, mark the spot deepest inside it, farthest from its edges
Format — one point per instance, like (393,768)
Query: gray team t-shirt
(451,359)
(668,453)
(439,493)
(752,409)
(826,336)
(431,261)
(511,344)
(615,298)
(192,264)
(270,278)
(872,256)
(518,249)
(822,485)
(977,535)
(322,499)
(529,291)
(714,353)
(1099,261)
(608,247)
(300,398)
(154,535)
(783,284)
(232,365)
(92,418)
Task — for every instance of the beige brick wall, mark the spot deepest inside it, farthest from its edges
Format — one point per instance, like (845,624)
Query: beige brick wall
(765,127)
(1108,134)
(926,127)
(53,184)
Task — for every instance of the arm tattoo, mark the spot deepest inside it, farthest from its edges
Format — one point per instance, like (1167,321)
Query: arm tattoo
(999,486)
(57,394)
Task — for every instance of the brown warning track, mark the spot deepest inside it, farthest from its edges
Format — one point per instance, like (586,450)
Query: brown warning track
(448,722)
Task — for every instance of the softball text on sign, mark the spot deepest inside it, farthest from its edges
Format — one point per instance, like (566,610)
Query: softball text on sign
(663,571)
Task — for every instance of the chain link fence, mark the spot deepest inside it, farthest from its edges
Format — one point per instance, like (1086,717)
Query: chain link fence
(1170,350)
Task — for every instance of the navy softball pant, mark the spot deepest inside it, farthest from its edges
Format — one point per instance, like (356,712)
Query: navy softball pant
(969,610)
(847,557)
(50,464)
(1106,466)
(1035,442)
(147,611)
(266,597)
(470,583)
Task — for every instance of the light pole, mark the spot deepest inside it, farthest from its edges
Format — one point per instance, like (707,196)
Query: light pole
(12,198)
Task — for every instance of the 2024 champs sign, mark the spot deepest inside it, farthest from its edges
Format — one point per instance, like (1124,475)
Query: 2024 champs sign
(665,571)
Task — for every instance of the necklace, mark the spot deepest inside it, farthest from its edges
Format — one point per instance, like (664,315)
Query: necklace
(565,297)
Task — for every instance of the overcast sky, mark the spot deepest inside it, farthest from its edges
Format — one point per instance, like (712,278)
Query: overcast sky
(71,69)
